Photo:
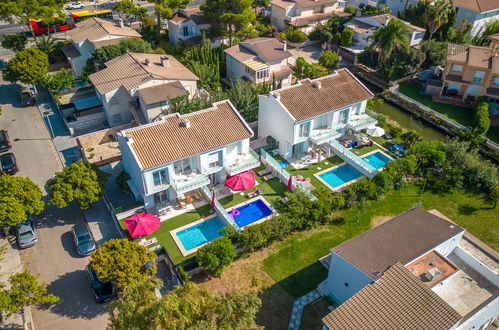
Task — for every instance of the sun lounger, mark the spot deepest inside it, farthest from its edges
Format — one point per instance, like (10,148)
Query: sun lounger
(189,198)
(147,242)
(181,203)
(197,195)
(264,172)
(268,177)
(154,248)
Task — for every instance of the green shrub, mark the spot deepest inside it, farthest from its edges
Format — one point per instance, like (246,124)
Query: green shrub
(121,180)
(217,255)
(481,118)
(395,131)
(183,274)
(296,35)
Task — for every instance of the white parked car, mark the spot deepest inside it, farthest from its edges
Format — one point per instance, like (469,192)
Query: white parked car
(76,5)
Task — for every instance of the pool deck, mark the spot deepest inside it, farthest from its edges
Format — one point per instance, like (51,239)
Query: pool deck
(340,187)
(185,252)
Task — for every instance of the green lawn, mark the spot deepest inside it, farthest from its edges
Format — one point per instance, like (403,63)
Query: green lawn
(295,265)
(461,115)
(273,190)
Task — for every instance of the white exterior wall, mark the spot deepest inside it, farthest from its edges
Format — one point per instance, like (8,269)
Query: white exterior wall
(415,38)
(478,20)
(340,273)
(77,63)
(119,108)
(235,69)
(129,164)
(477,265)
(175,31)
(278,15)
(274,120)
(482,318)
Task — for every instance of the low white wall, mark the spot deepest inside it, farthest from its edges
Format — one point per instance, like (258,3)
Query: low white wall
(88,121)
(477,265)
(486,314)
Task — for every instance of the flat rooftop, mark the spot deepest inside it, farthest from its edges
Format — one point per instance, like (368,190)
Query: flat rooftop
(432,268)
(468,289)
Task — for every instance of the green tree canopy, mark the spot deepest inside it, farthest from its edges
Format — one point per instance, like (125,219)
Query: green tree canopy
(15,42)
(128,9)
(217,255)
(346,37)
(481,117)
(58,81)
(80,182)
(189,307)
(20,198)
(164,9)
(244,96)
(491,27)
(389,39)
(302,69)
(24,291)
(330,60)
(435,51)
(123,262)
(437,14)
(28,66)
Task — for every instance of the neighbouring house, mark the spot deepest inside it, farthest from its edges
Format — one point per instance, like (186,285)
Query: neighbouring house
(471,71)
(304,14)
(314,114)
(494,40)
(92,34)
(139,86)
(183,153)
(186,25)
(418,271)
(475,12)
(364,26)
(259,60)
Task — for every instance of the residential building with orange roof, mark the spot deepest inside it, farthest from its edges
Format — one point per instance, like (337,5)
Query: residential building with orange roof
(186,25)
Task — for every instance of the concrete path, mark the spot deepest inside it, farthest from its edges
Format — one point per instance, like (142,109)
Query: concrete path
(298,305)
(101,223)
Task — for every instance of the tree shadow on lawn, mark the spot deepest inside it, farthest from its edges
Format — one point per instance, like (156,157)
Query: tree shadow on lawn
(276,308)
(76,297)
(467,209)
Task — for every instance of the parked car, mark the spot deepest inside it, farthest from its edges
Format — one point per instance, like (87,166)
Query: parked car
(4,141)
(27,97)
(26,234)
(85,243)
(8,164)
(76,5)
(102,291)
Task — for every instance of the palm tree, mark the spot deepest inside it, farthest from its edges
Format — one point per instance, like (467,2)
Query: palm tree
(437,15)
(46,44)
(390,38)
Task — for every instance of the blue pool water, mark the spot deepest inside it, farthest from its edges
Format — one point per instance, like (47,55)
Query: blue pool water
(201,233)
(251,212)
(346,173)
(211,229)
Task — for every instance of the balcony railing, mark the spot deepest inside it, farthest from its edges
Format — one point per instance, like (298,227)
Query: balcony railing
(243,163)
(324,135)
(362,121)
(189,182)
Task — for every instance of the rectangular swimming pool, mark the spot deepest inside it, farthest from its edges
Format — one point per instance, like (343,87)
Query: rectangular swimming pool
(211,229)
(250,213)
(346,173)
(201,233)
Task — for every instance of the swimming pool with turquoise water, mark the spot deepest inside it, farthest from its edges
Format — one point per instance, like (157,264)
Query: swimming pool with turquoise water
(211,229)
(346,173)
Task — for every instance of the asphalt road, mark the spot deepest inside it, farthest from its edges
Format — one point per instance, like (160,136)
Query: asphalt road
(53,258)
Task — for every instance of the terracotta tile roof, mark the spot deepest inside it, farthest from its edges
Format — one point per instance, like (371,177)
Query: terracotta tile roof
(479,6)
(401,239)
(163,92)
(494,37)
(314,3)
(169,140)
(482,57)
(107,42)
(96,28)
(285,71)
(268,49)
(301,21)
(283,3)
(381,19)
(130,71)
(337,90)
(183,15)
(399,300)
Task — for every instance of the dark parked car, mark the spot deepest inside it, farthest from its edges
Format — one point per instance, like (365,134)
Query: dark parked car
(4,141)
(27,97)
(26,234)
(85,243)
(102,291)
(8,163)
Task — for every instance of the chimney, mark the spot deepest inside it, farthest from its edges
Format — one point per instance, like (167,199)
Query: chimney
(165,61)
(285,46)
(186,123)
(317,84)
(121,22)
(147,62)
(432,274)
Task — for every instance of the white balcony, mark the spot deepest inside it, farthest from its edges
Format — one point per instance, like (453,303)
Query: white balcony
(242,163)
(189,181)
(321,136)
(362,121)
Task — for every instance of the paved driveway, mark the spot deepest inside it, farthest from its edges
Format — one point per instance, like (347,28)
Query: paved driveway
(53,258)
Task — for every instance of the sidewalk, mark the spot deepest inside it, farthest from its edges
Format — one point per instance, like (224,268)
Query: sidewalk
(10,263)
(101,223)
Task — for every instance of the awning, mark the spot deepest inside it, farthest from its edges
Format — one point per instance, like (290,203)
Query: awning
(255,65)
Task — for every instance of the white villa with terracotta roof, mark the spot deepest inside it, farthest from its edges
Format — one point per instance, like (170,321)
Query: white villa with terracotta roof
(138,86)
(90,35)
(315,113)
(364,26)
(183,153)
(415,271)
(304,14)
(259,60)
(186,25)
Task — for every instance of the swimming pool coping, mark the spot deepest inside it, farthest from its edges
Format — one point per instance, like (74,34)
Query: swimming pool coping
(194,250)
(340,187)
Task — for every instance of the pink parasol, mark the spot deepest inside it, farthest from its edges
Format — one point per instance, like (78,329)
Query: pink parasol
(290,183)
(142,224)
(241,181)
(213,197)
